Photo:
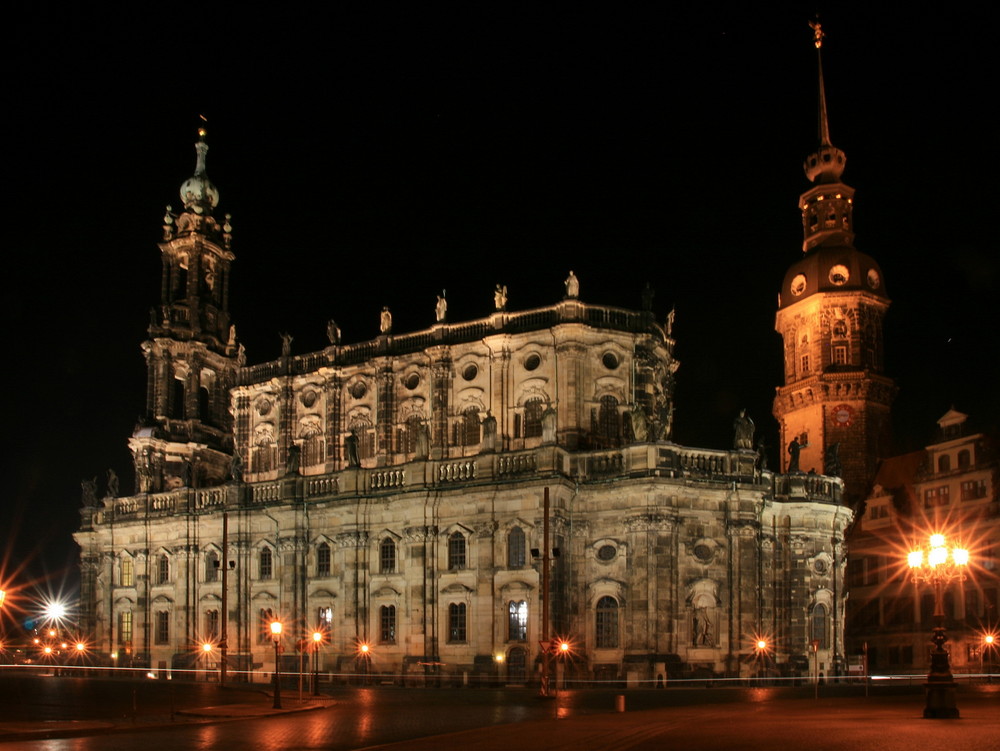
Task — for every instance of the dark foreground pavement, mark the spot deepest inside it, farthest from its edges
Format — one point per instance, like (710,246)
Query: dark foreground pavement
(892,723)
(686,718)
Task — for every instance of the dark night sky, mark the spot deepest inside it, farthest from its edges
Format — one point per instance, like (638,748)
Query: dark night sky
(374,157)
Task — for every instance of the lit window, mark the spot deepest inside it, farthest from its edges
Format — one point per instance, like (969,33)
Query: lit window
(125,627)
(936,496)
(325,617)
(973,490)
(517,621)
(606,623)
(126,579)
(840,355)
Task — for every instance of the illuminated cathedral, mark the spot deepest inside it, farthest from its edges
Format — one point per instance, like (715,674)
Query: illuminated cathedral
(391,493)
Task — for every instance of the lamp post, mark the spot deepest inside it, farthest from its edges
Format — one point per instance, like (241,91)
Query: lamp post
(276,636)
(939,564)
(206,649)
(317,638)
(989,642)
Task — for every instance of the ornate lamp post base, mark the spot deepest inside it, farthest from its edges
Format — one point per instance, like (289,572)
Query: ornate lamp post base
(940,686)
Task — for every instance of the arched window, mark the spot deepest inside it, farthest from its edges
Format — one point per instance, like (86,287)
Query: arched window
(322,559)
(387,556)
(470,427)
(162,569)
(517,620)
(456,551)
(456,622)
(609,424)
(516,548)
(964,458)
(944,463)
(211,566)
(606,623)
(818,625)
(533,409)
(387,624)
(266,567)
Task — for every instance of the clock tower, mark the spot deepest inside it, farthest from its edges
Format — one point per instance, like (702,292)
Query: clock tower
(192,356)
(833,409)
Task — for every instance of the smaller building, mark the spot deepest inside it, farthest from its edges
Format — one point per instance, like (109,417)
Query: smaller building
(950,486)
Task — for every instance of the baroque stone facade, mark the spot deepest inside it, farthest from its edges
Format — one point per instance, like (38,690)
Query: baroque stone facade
(389,492)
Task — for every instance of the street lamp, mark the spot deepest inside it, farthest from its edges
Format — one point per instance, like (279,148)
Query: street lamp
(989,642)
(939,564)
(206,649)
(276,636)
(317,638)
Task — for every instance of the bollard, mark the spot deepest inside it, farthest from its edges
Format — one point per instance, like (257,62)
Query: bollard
(620,703)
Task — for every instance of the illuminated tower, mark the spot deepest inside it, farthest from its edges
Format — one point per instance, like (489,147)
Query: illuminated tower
(835,399)
(184,438)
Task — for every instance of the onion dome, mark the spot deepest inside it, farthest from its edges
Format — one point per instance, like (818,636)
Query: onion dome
(198,193)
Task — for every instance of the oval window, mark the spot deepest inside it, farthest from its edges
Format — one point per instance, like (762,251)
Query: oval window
(532,361)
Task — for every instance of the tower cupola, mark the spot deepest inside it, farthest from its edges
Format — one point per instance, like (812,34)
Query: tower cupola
(198,193)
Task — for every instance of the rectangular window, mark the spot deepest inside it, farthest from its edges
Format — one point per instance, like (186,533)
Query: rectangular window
(805,363)
(325,617)
(162,570)
(211,624)
(517,621)
(456,551)
(127,574)
(840,355)
(387,624)
(938,496)
(162,627)
(323,560)
(264,632)
(456,622)
(125,627)
(973,490)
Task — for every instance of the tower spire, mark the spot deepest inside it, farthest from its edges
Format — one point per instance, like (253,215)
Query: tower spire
(824,122)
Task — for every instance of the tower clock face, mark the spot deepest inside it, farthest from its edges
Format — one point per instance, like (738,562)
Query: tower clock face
(798,285)
(843,415)
(874,280)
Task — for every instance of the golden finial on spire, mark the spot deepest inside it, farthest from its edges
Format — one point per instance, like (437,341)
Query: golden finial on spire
(818,34)
(202,131)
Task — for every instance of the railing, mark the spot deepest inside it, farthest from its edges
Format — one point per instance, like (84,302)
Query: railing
(567,311)
(456,471)
(664,460)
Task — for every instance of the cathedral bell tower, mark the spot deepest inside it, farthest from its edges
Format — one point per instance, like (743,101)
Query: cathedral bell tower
(184,438)
(833,409)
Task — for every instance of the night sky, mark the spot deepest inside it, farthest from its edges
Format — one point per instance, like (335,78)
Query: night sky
(375,157)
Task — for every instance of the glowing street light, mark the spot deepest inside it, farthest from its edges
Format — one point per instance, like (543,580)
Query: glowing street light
(939,564)
(317,640)
(276,636)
